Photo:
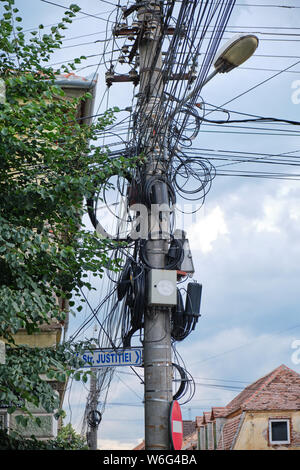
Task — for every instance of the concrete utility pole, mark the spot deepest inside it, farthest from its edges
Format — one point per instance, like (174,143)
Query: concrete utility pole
(92,423)
(157,325)
(161,253)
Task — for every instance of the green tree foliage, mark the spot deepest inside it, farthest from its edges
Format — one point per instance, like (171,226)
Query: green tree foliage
(49,163)
(67,439)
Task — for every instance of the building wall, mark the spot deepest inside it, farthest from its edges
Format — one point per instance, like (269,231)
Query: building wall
(46,430)
(209,434)
(42,339)
(254,432)
(202,438)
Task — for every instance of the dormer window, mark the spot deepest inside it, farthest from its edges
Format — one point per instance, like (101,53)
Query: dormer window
(279,431)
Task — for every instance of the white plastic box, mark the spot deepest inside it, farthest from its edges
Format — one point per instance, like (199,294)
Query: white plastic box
(162,287)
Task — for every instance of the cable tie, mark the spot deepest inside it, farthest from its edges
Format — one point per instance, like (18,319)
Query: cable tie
(158,399)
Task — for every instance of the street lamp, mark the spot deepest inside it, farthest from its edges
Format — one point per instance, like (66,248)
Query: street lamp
(234,53)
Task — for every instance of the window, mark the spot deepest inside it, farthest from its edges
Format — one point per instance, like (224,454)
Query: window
(279,431)
(3,423)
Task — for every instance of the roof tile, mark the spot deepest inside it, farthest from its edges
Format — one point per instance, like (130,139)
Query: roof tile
(280,389)
(228,432)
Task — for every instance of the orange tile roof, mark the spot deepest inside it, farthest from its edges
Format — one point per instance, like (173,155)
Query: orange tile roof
(278,390)
(140,446)
(199,420)
(218,412)
(189,427)
(229,432)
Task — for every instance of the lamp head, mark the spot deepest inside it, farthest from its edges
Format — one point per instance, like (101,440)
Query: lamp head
(235,51)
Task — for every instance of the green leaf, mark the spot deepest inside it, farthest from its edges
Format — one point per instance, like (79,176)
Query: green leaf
(77,376)
(75,8)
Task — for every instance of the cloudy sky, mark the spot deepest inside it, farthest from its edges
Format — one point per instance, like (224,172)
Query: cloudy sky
(245,238)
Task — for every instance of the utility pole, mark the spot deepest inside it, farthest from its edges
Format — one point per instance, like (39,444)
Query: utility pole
(157,324)
(92,414)
(151,299)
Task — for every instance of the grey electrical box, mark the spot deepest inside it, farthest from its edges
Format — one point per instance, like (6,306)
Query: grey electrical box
(187,264)
(162,287)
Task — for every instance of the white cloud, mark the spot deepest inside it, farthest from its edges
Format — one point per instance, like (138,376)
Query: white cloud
(278,209)
(272,213)
(110,444)
(207,230)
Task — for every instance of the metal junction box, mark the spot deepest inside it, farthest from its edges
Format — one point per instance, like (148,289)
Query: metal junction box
(162,287)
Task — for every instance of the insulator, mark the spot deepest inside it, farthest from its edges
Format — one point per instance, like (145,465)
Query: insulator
(193,75)
(109,75)
(133,73)
(152,24)
(134,76)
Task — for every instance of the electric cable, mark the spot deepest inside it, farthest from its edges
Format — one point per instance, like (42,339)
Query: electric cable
(66,8)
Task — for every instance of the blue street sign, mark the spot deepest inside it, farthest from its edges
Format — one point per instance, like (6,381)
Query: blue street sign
(113,358)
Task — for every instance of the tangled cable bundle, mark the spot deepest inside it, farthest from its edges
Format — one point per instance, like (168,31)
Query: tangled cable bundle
(151,184)
(193,178)
(131,290)
(189,36)
(174,258)
(187,56)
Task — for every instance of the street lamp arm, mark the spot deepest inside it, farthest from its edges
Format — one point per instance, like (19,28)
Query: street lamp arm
(235,52)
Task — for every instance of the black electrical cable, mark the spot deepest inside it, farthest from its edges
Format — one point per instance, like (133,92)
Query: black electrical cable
(187,383)
(91,204)
(261,119)
(132,290)
(149,190)
(173,262)
(183,384)
(66,8)
(204,174)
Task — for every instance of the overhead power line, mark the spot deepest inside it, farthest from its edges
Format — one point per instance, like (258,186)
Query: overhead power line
(245,345)
(266,6)
(258,119)
(84,13)
(110,3)
(259,84)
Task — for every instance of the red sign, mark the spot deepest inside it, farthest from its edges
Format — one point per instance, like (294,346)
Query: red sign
(176,426)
